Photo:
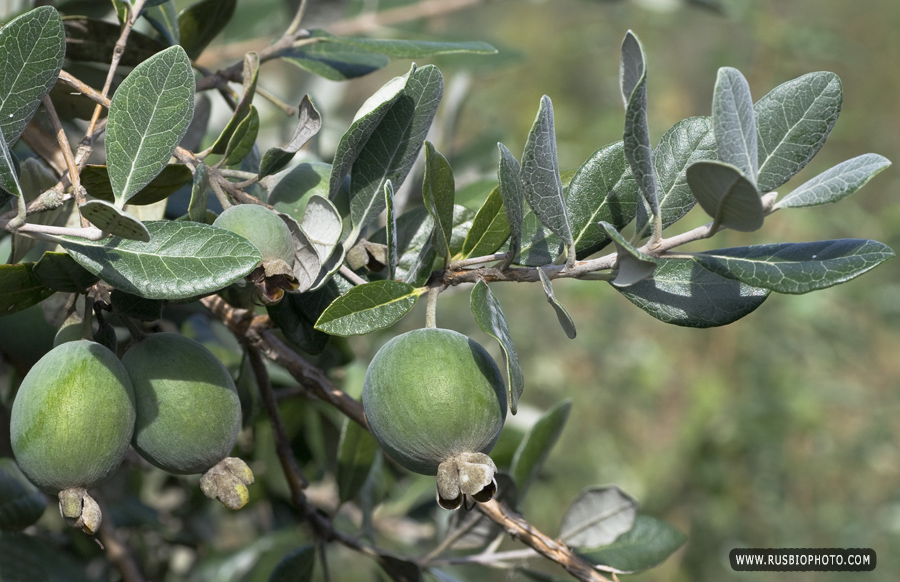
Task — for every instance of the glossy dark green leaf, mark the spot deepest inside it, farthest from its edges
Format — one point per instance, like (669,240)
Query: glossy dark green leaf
(60,272)
(512,193)
(250,74)
(21,503)
(726,194)
(391,149)
(20,288)
(296,315)
(633,265)
(603,188)
(296,566)
(93,41)
(490,228)
(565,320)
(95,179)
(734,123)
(148,115)
(636,137)
(597,517)
(535,446)
(369,307)
(199,194)
(438,191)
(540,176)
(181,261)
(681,292)
(489,317)
(356,453)
(793,120)
(276,159)
(647,544)
(334,58)
(200,23)
(114,221)
(835,183)
(164,18)
(797,267)
(243,139)
(33,46)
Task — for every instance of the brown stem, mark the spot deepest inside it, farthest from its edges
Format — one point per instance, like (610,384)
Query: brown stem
(74,176)
(117,552)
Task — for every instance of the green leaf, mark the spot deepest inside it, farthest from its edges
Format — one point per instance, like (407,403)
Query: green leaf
(490,228)
(681,292)
(356,453)
(33,47)
(602,189)
(688,141)
(113,221)
(136,307)
(369,307)
(243,108)
(182,260)
(392,147)
(307,265)
(334,58)
(489,317)
(21,503)
(89,40)
(797,267)
(597,517)
(539,245)
(512,193)
(322,225)
(390,231)
(296,566)
(243,139)
(60,272)
(276,159)
(793,121)
(416,253)
(536,444)
(462,224)
(734,123)
(164,18)
(37,561)
(727,195)
(636,139)
(835,183)
(202,22)
(414,49)
(399,569)
(95,179)
(9,179)
(148,115)
(438,191)
(199,194)
(647,544)
(296,315)
(565,320)
(540,176)
(633,265)
(20,288)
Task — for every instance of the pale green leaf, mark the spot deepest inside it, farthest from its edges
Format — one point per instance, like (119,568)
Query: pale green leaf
(633,265)
(647,544)
(322,225)
(390,231)
(835,183)
(438,191)
(565,320)
(243,139)
(726,194)
(412,49)
(490,228)
(489,317)
(243,108)
(535,446)
(199,194)
(369,307)
(636,138)
(335,60)
(276,159)
(113,221)
(597,517)
(512,193)
(797,267)
(734,123)
(148,115)
(182,260)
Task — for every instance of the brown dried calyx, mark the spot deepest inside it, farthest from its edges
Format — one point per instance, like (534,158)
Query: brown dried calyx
(227,482)
(80,510)
(465,474)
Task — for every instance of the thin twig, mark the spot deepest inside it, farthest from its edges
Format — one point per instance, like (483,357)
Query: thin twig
(77,191)
(117,552)
(298,18)
(351,276)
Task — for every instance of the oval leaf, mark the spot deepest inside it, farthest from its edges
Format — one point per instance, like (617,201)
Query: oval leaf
(20,288)
(113,221)
(322,225)
(94,41)
(438,191)
(243,108)
(369,307)
(636,139)
(95,179)
(21,503)
(797,267)
(512,192)
(148,115)
(181,261)
(33,47)
(726,195)
(199,24)
(681,292)
(60,272)
(414,49)
(836,183)
(565,320)
(536,444)
(276,159)
(490,228)
(489,317)
(735,123)
(647,544)
(335,59)
(633,265)
(597,517)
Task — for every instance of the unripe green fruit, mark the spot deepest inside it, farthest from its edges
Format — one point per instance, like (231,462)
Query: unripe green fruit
(433,394)
(262,227)
(188,412)
(73,417)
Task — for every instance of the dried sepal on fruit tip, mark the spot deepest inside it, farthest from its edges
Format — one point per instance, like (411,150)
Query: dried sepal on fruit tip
(466,474)
(227,482)
(80,510)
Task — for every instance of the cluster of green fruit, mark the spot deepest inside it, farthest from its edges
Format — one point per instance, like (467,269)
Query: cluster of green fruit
(79,407)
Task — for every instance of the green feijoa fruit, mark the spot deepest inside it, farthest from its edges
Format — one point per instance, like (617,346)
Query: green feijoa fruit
(262,227)
(73,417)
(431,395)
(188,411)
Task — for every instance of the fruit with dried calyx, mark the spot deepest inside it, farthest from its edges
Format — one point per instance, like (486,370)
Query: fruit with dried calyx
(71,423)
(435,402)
(188,411)
(269,233)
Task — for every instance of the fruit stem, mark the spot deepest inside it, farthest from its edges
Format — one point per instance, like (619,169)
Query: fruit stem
(431,308)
